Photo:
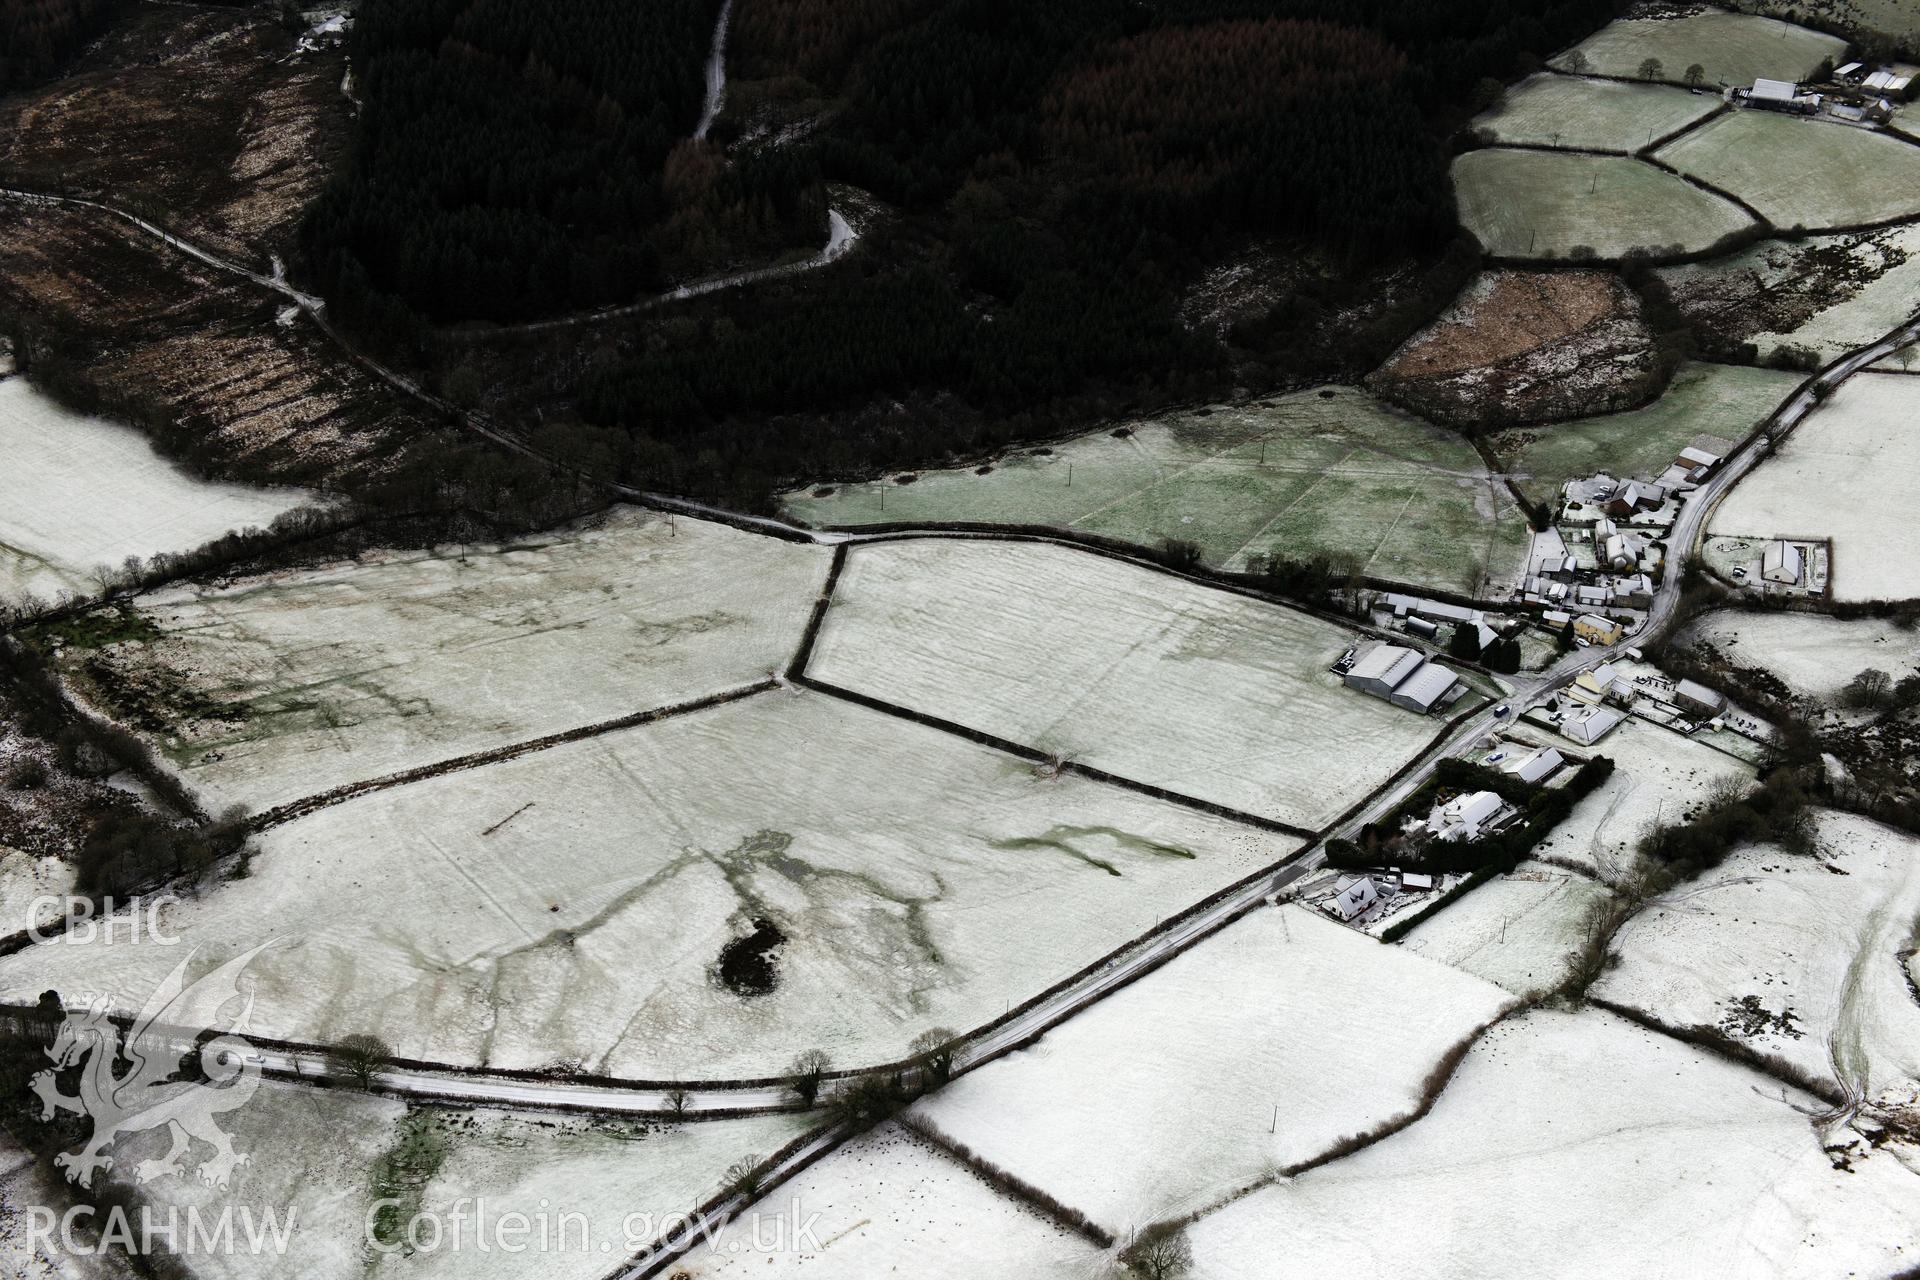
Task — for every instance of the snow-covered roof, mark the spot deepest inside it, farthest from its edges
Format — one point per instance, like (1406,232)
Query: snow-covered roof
(1351,897)
(1422,690)
(1774,90)
(1846,70)
(1390,663)
(1535,765)
(1700,695)
(1781,562)
(1601,677)
(1404,604)
(1593,725)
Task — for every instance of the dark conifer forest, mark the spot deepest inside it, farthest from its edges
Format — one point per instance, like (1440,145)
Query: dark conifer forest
(36,36)
(1064,168)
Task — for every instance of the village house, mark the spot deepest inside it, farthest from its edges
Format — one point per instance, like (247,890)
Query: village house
(1782,563)
(1352,897)
(1595,629)
(1697,698)
(1465,817)
(1536,766)
(1592,687)
(1589,726)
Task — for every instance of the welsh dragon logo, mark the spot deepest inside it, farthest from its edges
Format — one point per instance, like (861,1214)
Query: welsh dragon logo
(146,1095)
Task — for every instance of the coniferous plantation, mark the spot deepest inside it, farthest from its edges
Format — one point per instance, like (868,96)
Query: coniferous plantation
(516,159)
(36,35)
(1054,175)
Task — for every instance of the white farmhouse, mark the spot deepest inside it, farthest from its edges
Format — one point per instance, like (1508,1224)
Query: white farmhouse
(1589,726)
(1782,563)
(1465,816)
(1535,766)
(1351,897)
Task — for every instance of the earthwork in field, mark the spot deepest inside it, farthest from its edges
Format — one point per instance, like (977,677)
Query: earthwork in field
(78,493)
(1732,49)
(1106,664)
(330,1156)
(1847,473)
(288,685)
(1548,204)
(580,905)
(1332,472)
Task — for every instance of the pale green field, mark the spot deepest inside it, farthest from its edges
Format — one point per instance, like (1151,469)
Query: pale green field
(1703,399)
(1600,115)
(1347,476)
(1538,204)
(1800,172)
(1731,48)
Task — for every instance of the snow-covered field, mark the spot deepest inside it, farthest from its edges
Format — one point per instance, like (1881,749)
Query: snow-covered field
(1549,204)
(1118,667)
(919,879)
(1282,1009)
(1801,172)
(625,1180)
(890,1205)
(1599,115)
(1847,473)
(1730,48)
(25,1181)
(26,885)
(1521,930)
(1768,934)
(1659,777)
(323,1158)
(79,492)
(289,685)
(1582,1145)
(1813,654)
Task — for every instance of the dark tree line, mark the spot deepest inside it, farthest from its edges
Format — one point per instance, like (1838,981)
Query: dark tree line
(1064,168)
(512,156)
(36,36)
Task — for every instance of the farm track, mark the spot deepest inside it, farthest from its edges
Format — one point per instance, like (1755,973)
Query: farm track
(1136,958)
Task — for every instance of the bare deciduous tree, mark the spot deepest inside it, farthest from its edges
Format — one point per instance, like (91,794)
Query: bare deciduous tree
(357,1058)
(808,1070)
(1162,1254)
